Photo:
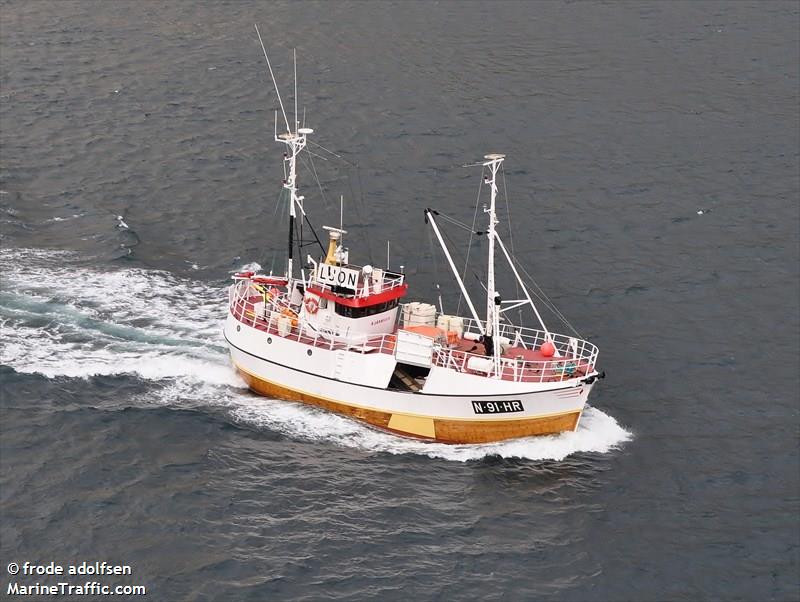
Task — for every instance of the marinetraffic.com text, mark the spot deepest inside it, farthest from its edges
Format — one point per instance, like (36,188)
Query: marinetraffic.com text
(28,578)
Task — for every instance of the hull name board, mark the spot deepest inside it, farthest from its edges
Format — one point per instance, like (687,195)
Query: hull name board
(336,276)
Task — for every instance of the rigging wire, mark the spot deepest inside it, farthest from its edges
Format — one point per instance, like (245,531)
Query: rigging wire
(542,296)
(436,278)
(510,233)
(361,209)
(280,210)
(360,205)
(536,292)
(454,249)
(313,170)
(303,215)
(314,232)
(363,203)
(315,154)
(471,233)
(278,202)
(338,156)
(456,222)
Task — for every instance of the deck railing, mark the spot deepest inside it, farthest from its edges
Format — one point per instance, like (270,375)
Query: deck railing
(270,312)
(518,370)
(574,357)
(364,289)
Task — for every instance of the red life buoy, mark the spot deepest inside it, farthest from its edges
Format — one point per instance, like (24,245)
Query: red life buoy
(312,305)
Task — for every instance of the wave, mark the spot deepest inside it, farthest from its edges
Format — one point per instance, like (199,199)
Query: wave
(61,318)
(598,432)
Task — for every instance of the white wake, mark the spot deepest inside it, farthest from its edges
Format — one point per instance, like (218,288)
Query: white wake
(61,318)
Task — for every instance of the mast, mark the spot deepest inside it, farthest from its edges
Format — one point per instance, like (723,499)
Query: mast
(295,143)
(493,162)
(491,329)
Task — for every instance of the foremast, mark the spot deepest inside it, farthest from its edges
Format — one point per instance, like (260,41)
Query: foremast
(295,143)
(493,162)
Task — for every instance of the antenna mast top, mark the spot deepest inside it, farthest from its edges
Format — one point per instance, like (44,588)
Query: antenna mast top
(295,142)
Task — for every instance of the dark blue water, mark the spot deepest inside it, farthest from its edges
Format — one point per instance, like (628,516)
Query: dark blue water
(653,176)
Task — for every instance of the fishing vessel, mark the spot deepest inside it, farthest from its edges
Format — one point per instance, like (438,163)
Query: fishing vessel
(341,335)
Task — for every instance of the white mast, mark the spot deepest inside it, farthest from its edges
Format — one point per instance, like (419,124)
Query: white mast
(493,162)
(493,302)
(295,142)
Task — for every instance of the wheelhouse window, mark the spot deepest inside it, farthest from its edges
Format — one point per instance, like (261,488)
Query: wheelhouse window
(362,312)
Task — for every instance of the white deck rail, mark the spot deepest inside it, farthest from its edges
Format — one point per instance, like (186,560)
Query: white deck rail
(272,313)
(576,358)
(364,288)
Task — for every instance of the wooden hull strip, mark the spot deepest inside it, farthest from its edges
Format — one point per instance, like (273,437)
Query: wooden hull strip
(432,429)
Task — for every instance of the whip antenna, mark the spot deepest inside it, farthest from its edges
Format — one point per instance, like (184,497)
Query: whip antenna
(275,83)
(296,122)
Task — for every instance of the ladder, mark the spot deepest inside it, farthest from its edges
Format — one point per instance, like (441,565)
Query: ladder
(341,358)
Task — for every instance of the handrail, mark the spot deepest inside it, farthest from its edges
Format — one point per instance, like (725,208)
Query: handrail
(243,308)
(578,359)
(530,338)
(519,370)
(362,290)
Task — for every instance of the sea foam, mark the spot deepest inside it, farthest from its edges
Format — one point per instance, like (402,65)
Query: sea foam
(61,319)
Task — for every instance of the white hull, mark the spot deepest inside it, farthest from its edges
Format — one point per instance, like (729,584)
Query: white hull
(357,382)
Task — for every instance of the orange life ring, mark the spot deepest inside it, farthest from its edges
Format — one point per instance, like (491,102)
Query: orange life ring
(312,305)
